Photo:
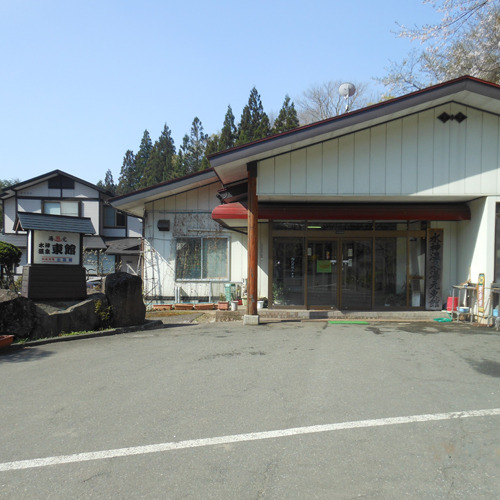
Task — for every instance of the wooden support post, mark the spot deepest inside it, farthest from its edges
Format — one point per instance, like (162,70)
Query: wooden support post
(253,238)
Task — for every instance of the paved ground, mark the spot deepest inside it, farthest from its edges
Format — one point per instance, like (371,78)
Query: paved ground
(283,410)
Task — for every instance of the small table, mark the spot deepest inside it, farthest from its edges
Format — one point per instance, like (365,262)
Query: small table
(467,297)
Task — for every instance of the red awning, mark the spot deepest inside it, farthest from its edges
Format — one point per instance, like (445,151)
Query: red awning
(347,211)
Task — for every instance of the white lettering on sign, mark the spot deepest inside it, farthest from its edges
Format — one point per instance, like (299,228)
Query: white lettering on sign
(53,247)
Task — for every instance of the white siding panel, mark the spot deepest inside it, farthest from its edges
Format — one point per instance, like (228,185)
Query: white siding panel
(330,167)
(425,155)
(378,160)
(298,171)
(134,227)
(212,200)
(265,177)
(34,205)
(314,169)
(203,198)
(362,162)
(441,160)
(91,209)
(192,200)
(41,189)
(473,151)
(181,201)
(81,191)
(489,157)
(346,164)
(282,174)
(9,215)
(393,158)
(458,136)
(409,155)
(168,204)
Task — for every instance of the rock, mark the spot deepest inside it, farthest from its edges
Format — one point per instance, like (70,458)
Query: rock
(80,317)
(17,314)
(124,294)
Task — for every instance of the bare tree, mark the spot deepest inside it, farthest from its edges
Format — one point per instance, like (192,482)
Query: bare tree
(323,101)
(465,42)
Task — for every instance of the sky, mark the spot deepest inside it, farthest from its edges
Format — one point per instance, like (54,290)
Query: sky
(81,80)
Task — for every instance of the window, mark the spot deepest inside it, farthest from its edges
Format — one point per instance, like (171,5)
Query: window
(113,218)
(201,259)
(71,208)
(98,263)
(61,182)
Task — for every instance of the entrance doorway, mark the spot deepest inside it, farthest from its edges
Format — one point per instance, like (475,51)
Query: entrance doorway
(382,266)
(339,273)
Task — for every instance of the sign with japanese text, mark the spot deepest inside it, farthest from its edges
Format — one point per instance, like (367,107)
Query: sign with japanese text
(54,247)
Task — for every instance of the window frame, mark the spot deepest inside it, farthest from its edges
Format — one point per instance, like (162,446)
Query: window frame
(60,203)
(201,240)
(117,214)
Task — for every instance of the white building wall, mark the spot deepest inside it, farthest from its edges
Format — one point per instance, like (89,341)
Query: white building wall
(40,190)
(189,215)
(9,215)
(91,209)
(34,206)
(413,156)
(134,227)
(81,191)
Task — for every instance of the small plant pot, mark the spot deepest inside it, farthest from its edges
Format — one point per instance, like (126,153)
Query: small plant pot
(204,307)
(223,306)
(183,307)
(162,307)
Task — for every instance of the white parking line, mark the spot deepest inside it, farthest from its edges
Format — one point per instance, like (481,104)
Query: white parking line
(239,438)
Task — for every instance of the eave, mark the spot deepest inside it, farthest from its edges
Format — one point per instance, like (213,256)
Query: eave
(230,165)
(134,203)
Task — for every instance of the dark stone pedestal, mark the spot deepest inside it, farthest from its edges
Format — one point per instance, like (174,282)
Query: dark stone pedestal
(47,281)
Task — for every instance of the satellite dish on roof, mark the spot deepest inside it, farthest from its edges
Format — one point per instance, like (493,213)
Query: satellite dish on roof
(347,90)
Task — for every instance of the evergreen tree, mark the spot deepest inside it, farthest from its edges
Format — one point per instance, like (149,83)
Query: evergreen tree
(160,165)
(180,162)
(213,145)
(108,184)
(254,122)
(141,160)
(287,117)
(193,147)
(126,181)
(229,133)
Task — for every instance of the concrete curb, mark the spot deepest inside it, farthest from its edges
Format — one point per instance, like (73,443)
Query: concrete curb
(148,325)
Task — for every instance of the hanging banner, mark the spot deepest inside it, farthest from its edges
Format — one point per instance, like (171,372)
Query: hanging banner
(55,247)
(480,293)
(434,270)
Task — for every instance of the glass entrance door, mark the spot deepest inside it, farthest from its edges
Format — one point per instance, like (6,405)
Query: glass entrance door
(322,273)
(357,272)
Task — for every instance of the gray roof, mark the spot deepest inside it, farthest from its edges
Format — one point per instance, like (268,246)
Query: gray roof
(19,240)
(123,246)
(94,243)
(63,223)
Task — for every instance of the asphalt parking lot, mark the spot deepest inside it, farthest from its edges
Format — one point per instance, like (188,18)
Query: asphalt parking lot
(281,410)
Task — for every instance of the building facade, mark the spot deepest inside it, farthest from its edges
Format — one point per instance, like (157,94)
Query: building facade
(116,244)
(386,207)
